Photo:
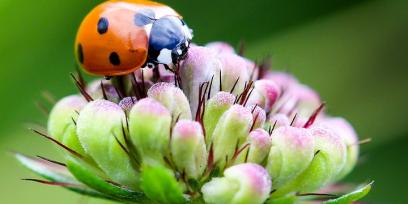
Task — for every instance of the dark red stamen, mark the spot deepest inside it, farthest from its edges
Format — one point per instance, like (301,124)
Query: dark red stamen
(314,116)
(81,88)
(73,152)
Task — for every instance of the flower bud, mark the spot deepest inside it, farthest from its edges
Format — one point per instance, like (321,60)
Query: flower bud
(200,66)
(214,109)
(329,159)
(333,147)
(282,79)
(234,68)
(300,99)
(99,127)
(291,153)
(265,94)
(172,98)
(62,119)
(280,119)
(231,130)
(188,148)
(260,144)
(342,128)
(127,103)
(221,47)
(242,183)
(149,128)
(94,89)
(258,115)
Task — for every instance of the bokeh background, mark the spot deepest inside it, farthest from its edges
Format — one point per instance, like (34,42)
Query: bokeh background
(355,53)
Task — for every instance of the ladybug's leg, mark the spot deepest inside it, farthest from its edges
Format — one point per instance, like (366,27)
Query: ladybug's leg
(167,67)
(156,73)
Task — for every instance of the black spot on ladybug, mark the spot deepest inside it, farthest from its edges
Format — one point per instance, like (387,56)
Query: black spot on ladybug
(144,17)
(114,58)
(103,25)
(80,54)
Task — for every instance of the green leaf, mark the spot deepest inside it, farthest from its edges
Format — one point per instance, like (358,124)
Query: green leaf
(83,172)
(56,173)
(353,196)
(159,184)
(290,199)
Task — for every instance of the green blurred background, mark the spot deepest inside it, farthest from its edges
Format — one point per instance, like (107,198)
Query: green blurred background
(355,53)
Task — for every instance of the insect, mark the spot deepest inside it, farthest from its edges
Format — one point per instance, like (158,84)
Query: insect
(120,36)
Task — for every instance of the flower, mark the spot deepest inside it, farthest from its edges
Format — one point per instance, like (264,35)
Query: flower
(216,128)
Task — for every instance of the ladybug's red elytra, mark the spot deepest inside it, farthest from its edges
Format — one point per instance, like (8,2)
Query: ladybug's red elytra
(120,36)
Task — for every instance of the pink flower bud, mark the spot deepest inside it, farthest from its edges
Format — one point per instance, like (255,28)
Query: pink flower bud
(221,47)
(127,103)
(265,94)
(234,72)
(258,115)
(201,65)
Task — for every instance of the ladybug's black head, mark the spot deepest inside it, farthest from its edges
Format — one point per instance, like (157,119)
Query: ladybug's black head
(169,40)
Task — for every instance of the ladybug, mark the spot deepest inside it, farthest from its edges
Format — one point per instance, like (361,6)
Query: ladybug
(120,36)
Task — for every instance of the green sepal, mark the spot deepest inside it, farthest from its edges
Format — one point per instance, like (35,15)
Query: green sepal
(84,174)
(56,173)
(353,196)
(159,184)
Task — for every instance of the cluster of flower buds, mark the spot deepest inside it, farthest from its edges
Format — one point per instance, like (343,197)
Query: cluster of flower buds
(216,128)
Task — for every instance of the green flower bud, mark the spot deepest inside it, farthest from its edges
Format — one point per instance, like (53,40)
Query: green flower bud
(332,147)
(62,119)
(260,144)
(328,161)
(291,153)
(241,184)
(172,98)
(99,127)
(214,109)
(231,130)
(149,128)
(188,148)
(349,136)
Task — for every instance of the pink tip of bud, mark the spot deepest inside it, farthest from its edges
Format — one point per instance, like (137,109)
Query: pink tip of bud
(280,119)
(188,129)
(298,137)
(221,47)
(223,98)
(258,178)
(151,107)
(260,138)
(259,116)
(127,103)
